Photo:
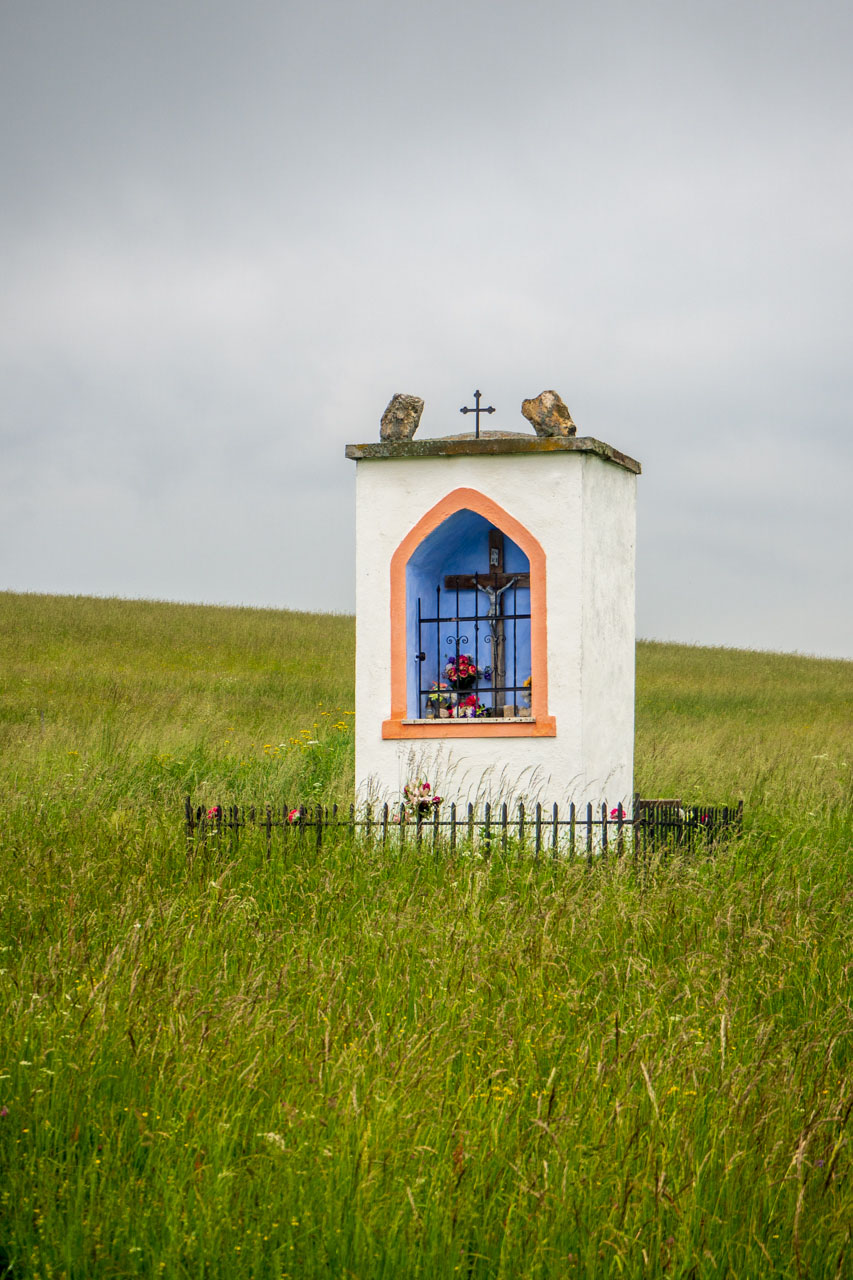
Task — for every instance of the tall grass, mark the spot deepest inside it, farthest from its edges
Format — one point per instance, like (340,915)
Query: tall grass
(357,1064)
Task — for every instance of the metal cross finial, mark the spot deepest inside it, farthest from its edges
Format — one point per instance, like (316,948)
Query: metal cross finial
(477,410)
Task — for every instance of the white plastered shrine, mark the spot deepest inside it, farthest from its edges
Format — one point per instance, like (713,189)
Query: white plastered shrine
(517,553)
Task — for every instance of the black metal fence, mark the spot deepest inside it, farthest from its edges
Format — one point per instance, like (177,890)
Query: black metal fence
(656,826)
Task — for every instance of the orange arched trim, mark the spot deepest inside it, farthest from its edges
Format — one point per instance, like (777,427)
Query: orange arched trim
(540,725)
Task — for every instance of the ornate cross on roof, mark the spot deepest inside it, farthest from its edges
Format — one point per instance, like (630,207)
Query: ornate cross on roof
(477,410)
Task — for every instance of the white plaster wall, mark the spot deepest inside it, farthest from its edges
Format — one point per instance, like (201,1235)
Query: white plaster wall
(608,644)
(551,495)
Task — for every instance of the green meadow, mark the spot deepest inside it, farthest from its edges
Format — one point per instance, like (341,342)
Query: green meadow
(360,1063)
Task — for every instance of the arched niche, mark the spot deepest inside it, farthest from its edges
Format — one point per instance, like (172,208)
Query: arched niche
(441,576)
(467,597)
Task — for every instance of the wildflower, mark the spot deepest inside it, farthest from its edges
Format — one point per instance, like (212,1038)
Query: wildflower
(293,815)
(4,1111)
(214,812)
(275,1140)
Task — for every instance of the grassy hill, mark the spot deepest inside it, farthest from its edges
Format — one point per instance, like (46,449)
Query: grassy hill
(351,1064)
(146,701)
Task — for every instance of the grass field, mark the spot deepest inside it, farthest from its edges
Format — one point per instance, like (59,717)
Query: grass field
(348,1064)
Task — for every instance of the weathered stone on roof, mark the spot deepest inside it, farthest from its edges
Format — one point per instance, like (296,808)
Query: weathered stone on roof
(549,415)
(401,419)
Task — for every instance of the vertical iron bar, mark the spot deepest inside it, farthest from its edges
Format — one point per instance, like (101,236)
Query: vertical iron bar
(487,830)
(589,833)
(515,648)
(537,841)
(438,668)
(555,839)
(384,824)
(572,818)
(457,632)
(453,828)
(402,826)
(421,708)
(471,825)
(268,830)
(476,642)
(638,826)
(504,816)
(520,826)
(604,831)
(319,819)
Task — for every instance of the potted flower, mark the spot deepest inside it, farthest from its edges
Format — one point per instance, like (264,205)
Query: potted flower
(439,697)
(462,671)
(468,708)
(528,689)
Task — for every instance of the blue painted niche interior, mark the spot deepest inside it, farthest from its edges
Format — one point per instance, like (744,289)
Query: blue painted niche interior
(460,545)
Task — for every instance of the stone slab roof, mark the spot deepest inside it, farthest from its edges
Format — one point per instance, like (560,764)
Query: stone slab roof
(491,442)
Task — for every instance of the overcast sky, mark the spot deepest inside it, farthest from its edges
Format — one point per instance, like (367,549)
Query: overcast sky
(229,232)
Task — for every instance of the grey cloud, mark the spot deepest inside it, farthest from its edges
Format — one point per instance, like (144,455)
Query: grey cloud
(231,232)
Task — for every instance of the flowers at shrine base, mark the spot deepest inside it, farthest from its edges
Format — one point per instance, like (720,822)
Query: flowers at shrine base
(419,800)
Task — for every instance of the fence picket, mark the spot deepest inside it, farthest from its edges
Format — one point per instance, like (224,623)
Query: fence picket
(589,834)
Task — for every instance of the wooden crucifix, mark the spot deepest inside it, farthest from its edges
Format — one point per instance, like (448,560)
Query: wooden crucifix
(493,584)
